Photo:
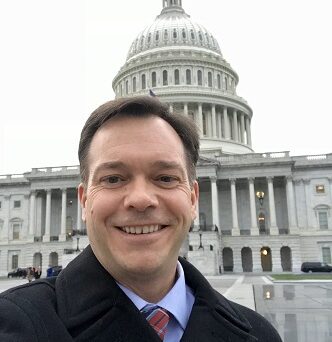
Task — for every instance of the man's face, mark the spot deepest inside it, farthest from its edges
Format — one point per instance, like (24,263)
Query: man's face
(138,203)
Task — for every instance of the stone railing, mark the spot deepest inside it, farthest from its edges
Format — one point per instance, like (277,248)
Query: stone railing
(58,169)
(13,178)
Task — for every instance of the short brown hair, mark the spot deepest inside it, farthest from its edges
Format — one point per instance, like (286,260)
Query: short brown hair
(140,106)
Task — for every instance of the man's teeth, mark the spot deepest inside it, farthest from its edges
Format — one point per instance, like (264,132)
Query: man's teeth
(141,229)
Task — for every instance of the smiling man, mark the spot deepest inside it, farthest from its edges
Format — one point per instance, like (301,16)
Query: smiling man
(138,194)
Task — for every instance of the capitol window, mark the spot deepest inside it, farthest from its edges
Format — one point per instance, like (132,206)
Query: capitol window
(17,204)
(192,34)
(219,81)
(157,35)
(154,79)
(165,34)
(143,82)
(127,87)
(176,76)
(184,33)
(320,189)
(134,84)
(199,77)
(323,220)
(175,34)
(165,78)
(209,79)
(188,76)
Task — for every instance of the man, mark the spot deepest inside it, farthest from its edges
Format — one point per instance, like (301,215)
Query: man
(138,195)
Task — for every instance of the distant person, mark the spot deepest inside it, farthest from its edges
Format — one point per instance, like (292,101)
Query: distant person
(138,197)
(38,272)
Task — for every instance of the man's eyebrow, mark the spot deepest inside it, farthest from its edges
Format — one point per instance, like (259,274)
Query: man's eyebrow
(108,166)
(169,165)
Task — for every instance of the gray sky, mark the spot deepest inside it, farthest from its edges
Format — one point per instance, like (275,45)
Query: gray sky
(58,60)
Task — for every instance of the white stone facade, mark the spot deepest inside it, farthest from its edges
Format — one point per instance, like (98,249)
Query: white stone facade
(181,62)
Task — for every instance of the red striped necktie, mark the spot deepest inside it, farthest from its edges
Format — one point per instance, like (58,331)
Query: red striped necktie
(158,319)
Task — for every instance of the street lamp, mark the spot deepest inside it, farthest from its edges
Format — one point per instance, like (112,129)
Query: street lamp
(77,236)
(260,196)
(200,242)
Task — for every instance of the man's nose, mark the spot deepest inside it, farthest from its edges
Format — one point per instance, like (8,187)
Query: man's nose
(140,195)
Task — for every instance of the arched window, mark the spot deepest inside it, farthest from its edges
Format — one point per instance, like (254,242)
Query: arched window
(176,76)
(192,34)
(157,35)
(149,37)
(184,35)
(205,124)
(127,87)
(175,34)
(188,76)
(165,34)
(134,84)
(199,77)
(210,79)
(143,82)
(219,81)
(165,78)
(226,85)
(154,79)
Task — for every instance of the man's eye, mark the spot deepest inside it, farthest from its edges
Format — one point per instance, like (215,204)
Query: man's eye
(168,180)
(112,179)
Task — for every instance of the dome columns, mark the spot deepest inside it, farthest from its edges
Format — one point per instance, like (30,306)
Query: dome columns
(170,3)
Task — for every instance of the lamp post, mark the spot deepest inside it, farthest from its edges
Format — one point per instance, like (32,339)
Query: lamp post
(260,196)
(200,242)
(77,236)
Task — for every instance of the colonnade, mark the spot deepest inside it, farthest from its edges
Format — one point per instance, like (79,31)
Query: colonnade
(63,226)
(218,121)
(254,229)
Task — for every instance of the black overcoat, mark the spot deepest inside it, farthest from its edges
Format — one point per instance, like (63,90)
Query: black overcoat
(84,303)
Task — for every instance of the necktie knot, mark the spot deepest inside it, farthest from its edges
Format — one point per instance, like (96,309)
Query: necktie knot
(158,318)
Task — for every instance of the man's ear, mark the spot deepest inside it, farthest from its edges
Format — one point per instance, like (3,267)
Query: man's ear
(194,199)
(82,198)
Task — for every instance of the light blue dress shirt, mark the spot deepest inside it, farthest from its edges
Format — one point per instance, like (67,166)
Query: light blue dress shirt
(178,301)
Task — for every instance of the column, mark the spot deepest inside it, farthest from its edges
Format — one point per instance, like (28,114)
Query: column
(253,214)
(214,122)
(273,219)
(276,260)
(79,214)
(185,109)
(6,209)
(47,235)
(200,119)
(219,129)
(330,181)
(248,132)
(235,128)
(235,229)
(293,228)
(306,183)
(226,124)
(196,221)
(242,128)
(62,236)
(32,215)
(215,202)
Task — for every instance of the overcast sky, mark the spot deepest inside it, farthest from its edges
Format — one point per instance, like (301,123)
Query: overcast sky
(58,60)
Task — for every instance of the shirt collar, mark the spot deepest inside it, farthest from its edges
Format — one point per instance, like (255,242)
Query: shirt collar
(178,301)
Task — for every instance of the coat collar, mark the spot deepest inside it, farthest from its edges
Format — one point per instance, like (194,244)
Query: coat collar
(93,307)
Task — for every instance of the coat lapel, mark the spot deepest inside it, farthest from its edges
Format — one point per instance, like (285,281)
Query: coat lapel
(212,317)
(94,308)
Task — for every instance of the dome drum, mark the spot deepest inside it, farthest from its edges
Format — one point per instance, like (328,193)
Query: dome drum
(181,62)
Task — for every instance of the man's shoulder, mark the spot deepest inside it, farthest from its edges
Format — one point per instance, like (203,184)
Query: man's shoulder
(34,293)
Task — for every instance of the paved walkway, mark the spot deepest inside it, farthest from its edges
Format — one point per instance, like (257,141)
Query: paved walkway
(238,288)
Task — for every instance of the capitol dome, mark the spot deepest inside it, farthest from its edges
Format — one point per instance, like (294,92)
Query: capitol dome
(173,28)
(180,61)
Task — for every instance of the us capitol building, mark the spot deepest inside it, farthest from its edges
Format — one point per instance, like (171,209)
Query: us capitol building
(257,211)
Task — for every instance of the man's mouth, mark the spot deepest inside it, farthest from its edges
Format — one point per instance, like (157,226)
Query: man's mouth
(147,229)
